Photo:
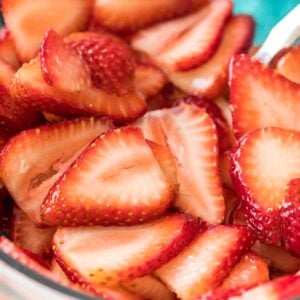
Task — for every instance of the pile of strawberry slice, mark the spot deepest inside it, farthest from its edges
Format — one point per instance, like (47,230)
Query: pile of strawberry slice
(145,154)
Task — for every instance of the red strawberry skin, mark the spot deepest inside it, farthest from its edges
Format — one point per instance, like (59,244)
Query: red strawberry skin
(260,97)
(111,61)
(290,218)
(116,175)
(169,235)
(260,169)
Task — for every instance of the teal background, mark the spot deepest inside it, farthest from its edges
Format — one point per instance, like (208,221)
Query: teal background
(265,12)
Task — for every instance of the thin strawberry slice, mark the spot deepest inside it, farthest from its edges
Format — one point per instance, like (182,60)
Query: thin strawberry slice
(149,79)
(198,44)
(260,97)
(225,168)
(29,88)
(130,15)
(210,79)
(33,160)
(61,66)
(223,128)
(110,59)
(110,255)
(286,287)
(6,73)
(27,21)
(131,187)
(149,287)
(290,217)
(192,138)
(166,161)
(289,64)
(278,257)
(7,49)
(27,235)
(231,204)
(207,261)
(262,166)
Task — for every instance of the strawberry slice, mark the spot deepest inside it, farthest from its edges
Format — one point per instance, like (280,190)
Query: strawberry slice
(33,160)
(260,97)
(192,138)
(27,21)
(149,287)
(290,217)
(278,257)
(207,261)
(289,64)
(6,74)
(28,236)
(198,44)
(149,79)
(111,61)
(231,204)
(225,168)
(286,287)
(210,79)
(61,66)
(109,255)
(131,188)
(29,88)
(262,166)
(7,49)
(130,15)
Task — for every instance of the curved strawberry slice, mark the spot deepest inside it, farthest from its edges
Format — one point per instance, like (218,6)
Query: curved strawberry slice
(109,255)
(29,88)
(131,187)
(262,166)
(27,235)
(290,217)
(207,260)
(260,97)
(33,160)
(28,21)
(210,79)
(198,43)
(289,64)
(61,66)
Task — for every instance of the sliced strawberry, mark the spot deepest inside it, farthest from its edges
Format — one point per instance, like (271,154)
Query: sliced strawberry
(262,166)
(290,217)
(7,49)
(166,161)
(58,272)
(210,79)
(6,74)
(278,257)
(108,255)
(110,59)
(289,64)
(225,168)
(29,88)
(281,288)
(223,128)
(131,187)
(61,66)
(203,265)
(149,79)
(149,287)
(28,236)
(192,138)
(260,97)
(198,44)
(27,21)
(33,160)
(130,15)
(231,204)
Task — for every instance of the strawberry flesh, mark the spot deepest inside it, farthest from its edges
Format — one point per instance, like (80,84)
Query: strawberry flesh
(131,188)
(262,166)
(260,97)
(61,66)
(111,255)
(290,218)
(207,261)
(33,160)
